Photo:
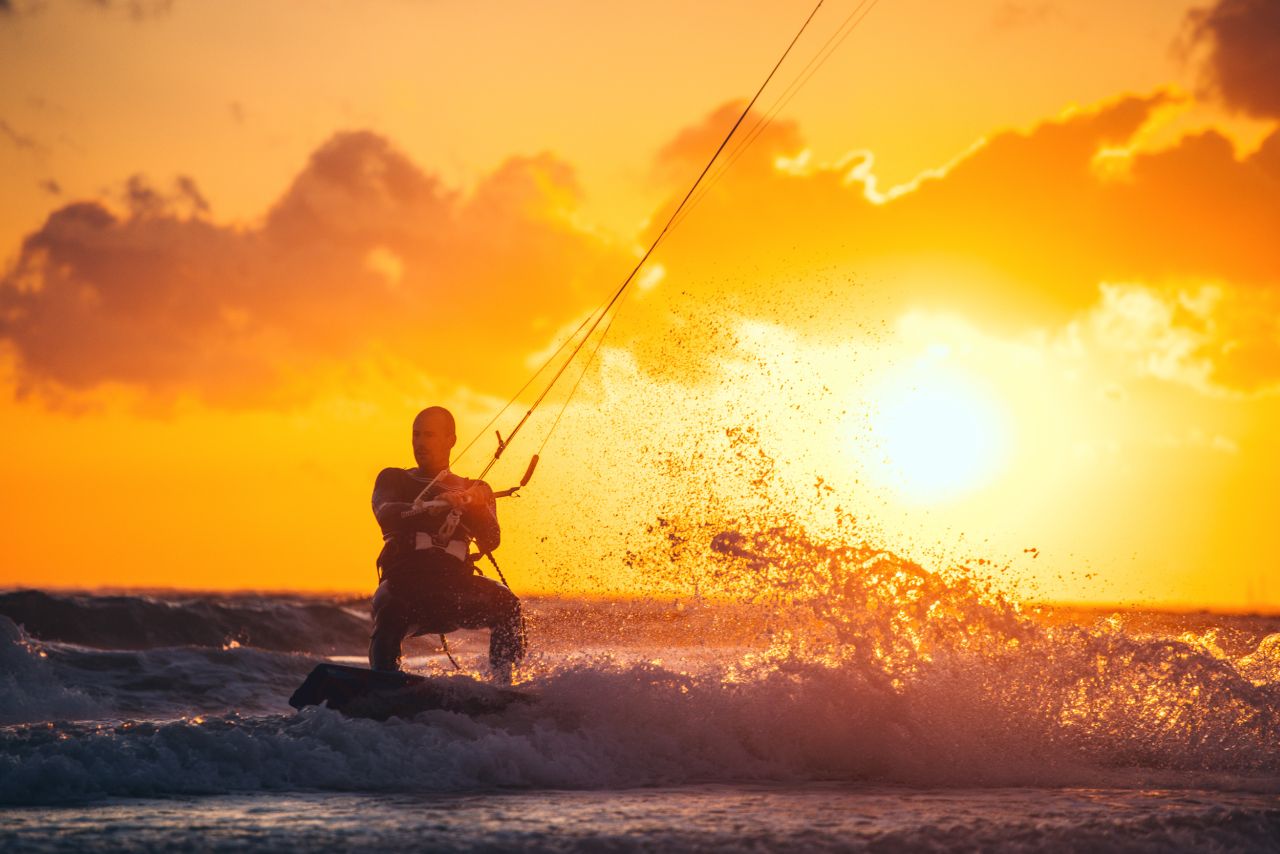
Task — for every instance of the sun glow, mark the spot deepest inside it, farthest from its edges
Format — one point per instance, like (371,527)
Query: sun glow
(936,434)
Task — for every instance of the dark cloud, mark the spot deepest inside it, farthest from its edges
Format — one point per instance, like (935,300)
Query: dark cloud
(22,141)
(14,8)
(364,254)
(1243,42)
(51,187)
(183,199)
(136,9)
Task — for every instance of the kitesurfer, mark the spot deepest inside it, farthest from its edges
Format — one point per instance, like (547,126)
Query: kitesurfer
(426,583)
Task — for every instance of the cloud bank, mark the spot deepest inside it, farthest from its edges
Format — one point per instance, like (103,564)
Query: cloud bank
(368,255)
(364,254)
(1022,231)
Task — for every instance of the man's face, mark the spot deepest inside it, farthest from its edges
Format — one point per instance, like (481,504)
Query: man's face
(432,441)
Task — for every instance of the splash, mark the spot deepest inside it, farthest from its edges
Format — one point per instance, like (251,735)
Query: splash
(971,674)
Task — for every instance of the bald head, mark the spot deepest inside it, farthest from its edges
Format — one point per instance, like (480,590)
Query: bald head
(438,412)
(434,436)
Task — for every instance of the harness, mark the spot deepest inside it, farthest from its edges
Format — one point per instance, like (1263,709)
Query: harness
(444,538)
(450,536)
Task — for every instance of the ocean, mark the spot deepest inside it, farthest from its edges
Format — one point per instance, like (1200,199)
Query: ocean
(894,710)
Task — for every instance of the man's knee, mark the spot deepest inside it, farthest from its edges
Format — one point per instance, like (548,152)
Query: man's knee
(497,598)
(510,604)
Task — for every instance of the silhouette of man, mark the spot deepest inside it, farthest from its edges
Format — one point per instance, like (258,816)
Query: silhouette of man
(426,584)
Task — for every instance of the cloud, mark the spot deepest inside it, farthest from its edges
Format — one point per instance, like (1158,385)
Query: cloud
(136,9)
(184,200)
(1017,16)
(21,141)
(1197,438)
(1215,340)
(1243,42)
(365,255)
(1012,201)
(1019,231)
(679,161)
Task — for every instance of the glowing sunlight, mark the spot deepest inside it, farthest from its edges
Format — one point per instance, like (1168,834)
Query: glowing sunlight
(935,435)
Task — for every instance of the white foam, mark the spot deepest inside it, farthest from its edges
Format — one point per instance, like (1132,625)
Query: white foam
(29,690)
(598,725)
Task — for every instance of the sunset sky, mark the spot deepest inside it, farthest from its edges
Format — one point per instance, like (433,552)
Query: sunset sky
(1002,279)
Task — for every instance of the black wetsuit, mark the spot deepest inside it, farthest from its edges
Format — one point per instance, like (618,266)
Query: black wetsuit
(427,586)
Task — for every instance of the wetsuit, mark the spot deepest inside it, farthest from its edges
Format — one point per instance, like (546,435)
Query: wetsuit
(427,586)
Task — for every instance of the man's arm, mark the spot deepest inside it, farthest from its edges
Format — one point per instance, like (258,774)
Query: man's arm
(481,516)
(388,509)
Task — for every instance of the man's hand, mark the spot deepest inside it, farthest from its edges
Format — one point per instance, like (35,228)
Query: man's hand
(476,495)
(457,500)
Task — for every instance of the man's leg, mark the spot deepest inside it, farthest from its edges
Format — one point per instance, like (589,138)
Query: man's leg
(390,624)
(484,603)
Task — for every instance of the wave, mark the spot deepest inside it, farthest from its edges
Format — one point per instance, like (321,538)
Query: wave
(610,723)
(335,625)
(47,681)
(31,692)
(836,662)
(286,623)
(597,727)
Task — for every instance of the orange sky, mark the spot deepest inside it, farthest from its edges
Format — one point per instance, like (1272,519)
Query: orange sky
(1003,276)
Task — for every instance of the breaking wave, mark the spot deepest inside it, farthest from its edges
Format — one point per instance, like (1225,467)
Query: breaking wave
(835,662)
(287,623)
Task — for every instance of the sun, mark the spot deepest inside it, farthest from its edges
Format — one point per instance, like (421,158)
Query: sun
(936,435)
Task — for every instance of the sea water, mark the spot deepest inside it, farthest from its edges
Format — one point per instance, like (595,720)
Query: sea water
(861,704)
(739,817)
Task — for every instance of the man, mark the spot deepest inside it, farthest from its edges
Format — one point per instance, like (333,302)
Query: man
(426,584)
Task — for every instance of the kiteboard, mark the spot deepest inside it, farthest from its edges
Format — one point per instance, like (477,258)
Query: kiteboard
(359,692)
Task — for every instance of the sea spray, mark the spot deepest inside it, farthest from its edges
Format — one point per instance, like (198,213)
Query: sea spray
(990,691)
(976,678)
